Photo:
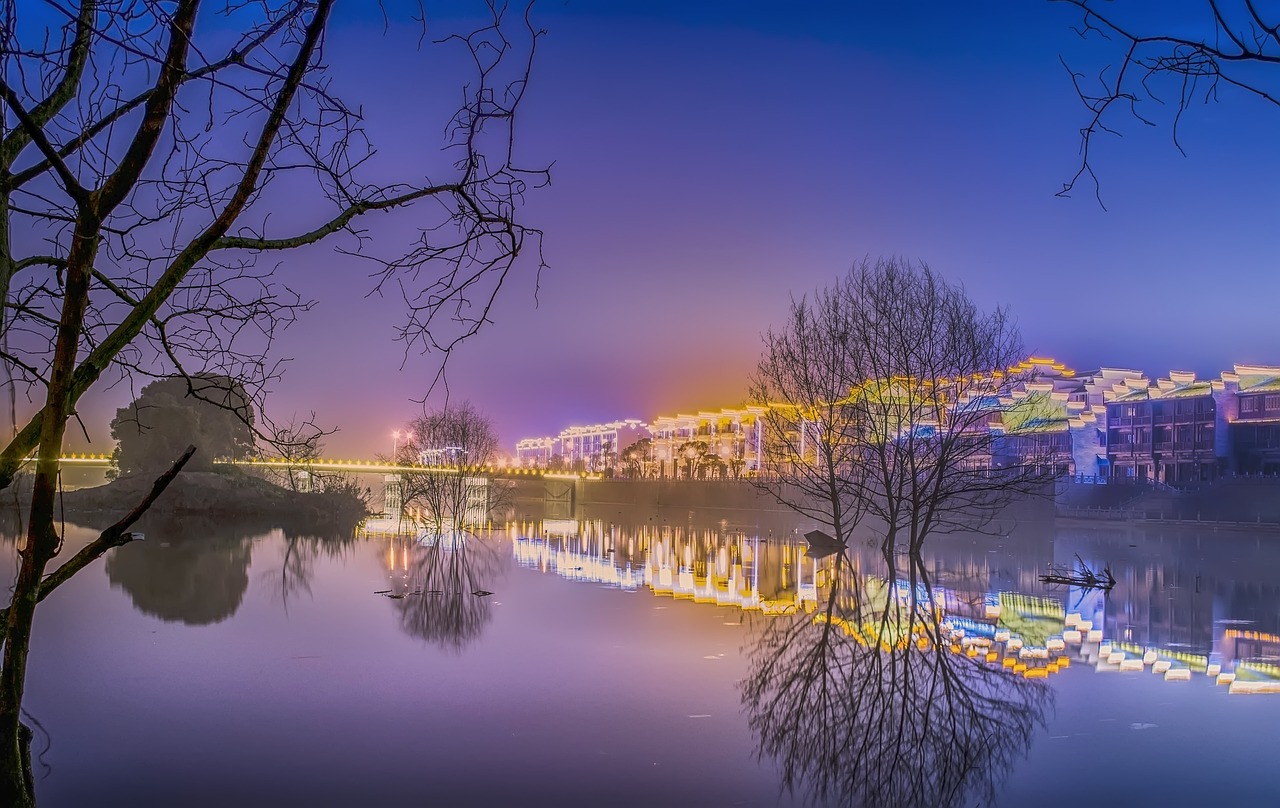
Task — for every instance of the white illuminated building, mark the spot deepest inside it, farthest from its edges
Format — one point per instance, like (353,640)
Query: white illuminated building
(586,448)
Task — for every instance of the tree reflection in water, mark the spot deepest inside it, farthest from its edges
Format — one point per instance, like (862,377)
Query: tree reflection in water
(298,559)
(863,702)
(444,596)
(188,569)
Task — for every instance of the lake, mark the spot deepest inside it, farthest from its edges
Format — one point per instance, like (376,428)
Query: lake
(637,658)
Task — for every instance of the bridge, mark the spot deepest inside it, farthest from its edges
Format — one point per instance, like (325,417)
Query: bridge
(88,460)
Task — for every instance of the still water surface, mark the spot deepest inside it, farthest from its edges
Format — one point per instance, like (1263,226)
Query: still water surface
(657,658)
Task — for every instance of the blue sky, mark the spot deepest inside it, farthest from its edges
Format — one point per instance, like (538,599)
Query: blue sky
(711,159)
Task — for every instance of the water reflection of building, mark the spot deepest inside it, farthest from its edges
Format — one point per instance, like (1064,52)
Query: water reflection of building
(704,565)
(1164,618)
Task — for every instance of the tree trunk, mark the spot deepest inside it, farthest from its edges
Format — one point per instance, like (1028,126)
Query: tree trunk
(42,538)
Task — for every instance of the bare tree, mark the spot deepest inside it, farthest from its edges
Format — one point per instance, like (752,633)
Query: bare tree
(298,444)
(863,702)
(811,426)
(452,444)
(886,396)
(143,148)
(1160,57)
(935,376)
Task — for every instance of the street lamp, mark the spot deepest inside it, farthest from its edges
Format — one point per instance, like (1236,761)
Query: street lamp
(396,435)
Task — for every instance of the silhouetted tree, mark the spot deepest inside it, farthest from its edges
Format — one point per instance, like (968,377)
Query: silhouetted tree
(211,412)
(298,446)
(1171,55)
(864,702)
(883,394)
(812,428)
(637,459)
(143,148)
(690,453)
(451,444)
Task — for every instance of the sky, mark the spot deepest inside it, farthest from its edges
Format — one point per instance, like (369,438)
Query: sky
(712,159)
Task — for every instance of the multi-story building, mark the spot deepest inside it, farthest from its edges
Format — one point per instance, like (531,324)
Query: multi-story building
(724,444)
(535,452)
(597,447)
(1164,432)
(583,448)
(1111,423)
(1250,416)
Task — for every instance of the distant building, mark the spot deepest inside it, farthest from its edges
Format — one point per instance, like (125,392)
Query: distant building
(1250,415)
(593,448)
(709,445)
(535,452)
(1106,424)
(596,448)
(1164,432)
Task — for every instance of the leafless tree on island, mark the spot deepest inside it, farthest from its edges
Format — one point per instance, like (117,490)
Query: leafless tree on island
(811,426)
(144,148)
(452,444)
(1171,63)
(937,379)
(886,394)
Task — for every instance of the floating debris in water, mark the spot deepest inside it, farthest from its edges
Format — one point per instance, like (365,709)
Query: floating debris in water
(1084,577)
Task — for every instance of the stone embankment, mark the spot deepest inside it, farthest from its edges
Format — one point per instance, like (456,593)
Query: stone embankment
(1231,502)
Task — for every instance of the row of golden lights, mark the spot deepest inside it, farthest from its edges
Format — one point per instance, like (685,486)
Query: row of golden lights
(501,467)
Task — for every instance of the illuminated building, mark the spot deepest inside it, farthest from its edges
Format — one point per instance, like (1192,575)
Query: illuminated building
(1110,423)
(1183,430)
(724,444)
(582,448)
(1251,417)
(1163,432)
(535,452)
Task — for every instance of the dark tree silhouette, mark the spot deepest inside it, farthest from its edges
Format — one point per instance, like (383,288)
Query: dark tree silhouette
(1166,61)
(864,704)
(211,412)
(811,425)
(451,443)
(882,393)
(637,459)
(143,148)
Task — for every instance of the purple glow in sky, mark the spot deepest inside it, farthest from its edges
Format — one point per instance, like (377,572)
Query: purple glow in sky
(711,159)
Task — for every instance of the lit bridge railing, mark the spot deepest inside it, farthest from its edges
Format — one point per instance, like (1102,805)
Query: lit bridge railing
(357,466)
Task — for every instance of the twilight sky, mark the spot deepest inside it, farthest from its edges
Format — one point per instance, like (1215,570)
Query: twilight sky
(712,158)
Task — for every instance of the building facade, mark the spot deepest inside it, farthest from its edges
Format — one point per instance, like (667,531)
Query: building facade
(727,444)
(1251,416)
(594,448)
(1101,425)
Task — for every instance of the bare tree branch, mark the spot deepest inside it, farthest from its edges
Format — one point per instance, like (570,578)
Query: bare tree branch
(1235,50)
